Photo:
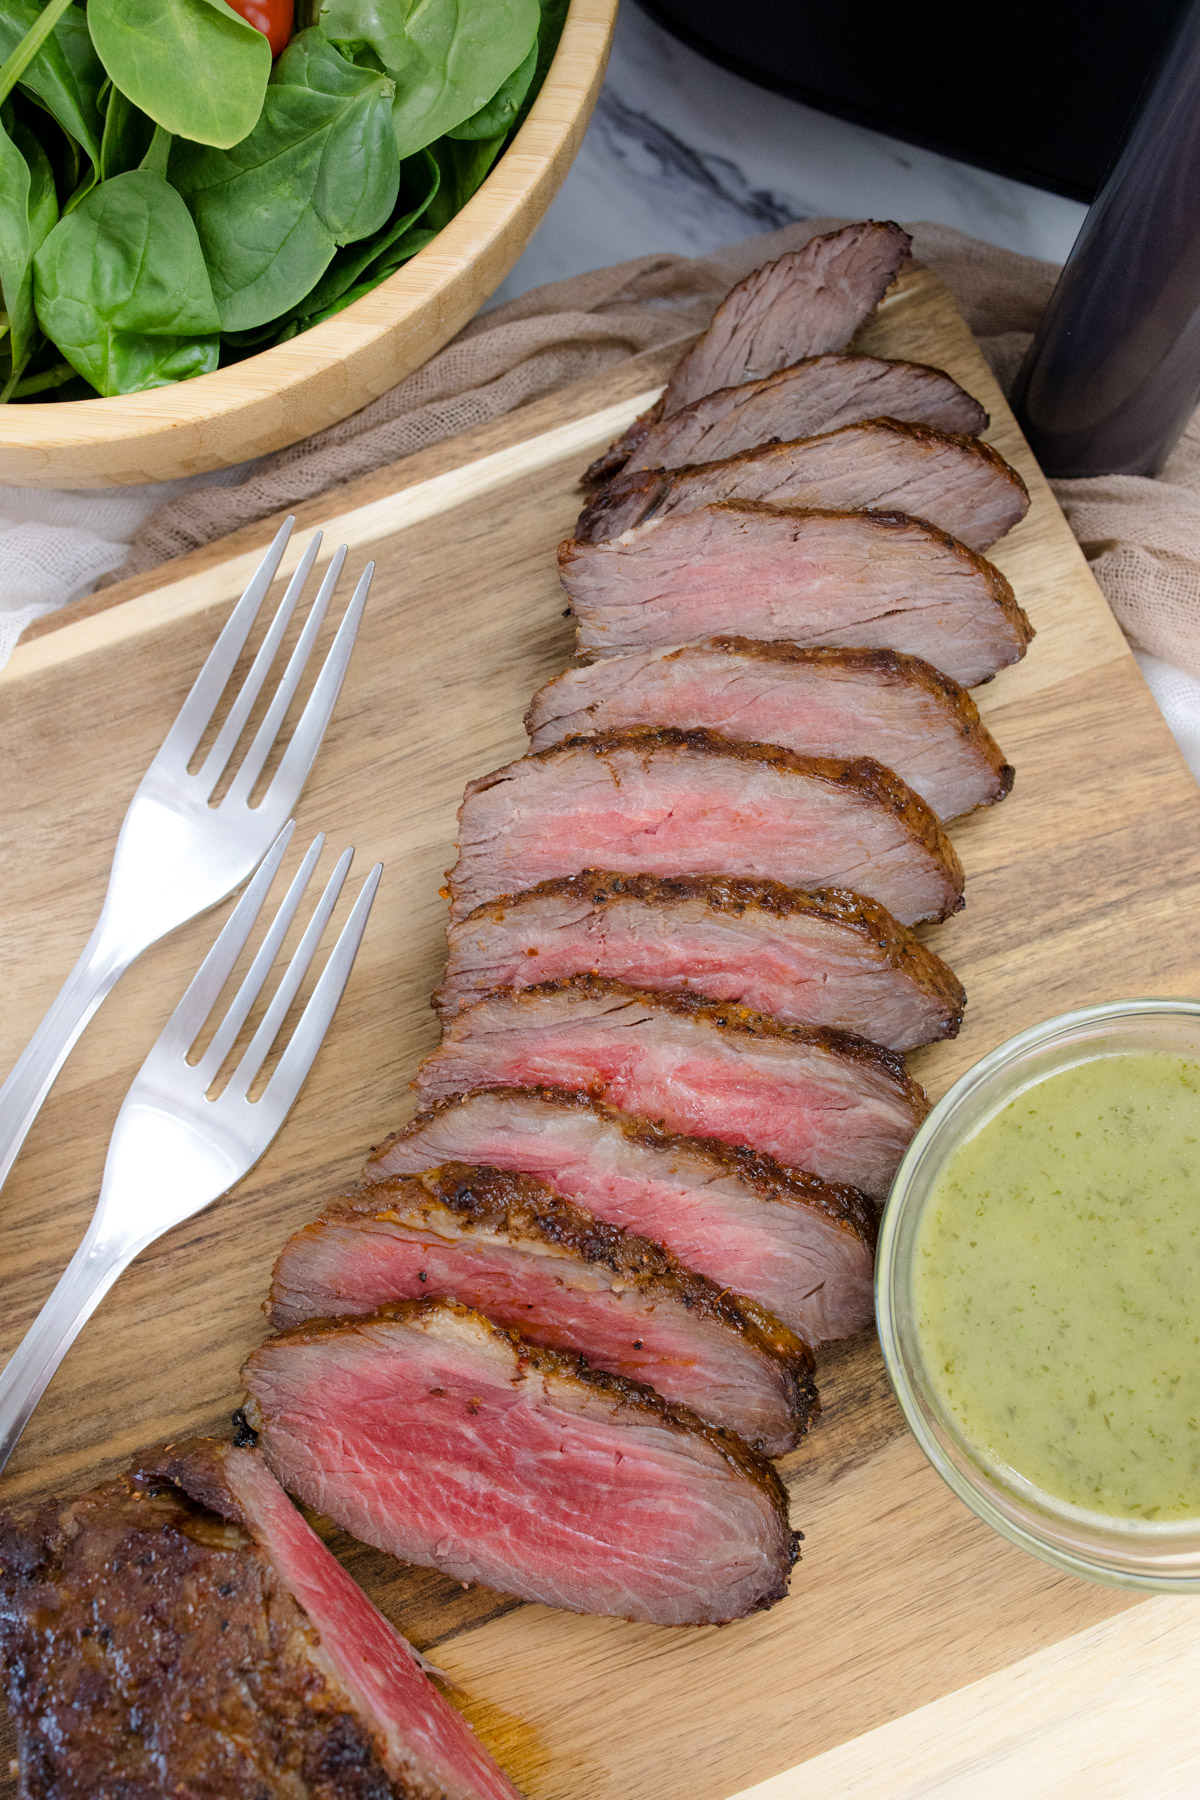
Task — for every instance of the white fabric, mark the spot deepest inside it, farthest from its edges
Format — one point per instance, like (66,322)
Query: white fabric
(1178,696)
(55,546)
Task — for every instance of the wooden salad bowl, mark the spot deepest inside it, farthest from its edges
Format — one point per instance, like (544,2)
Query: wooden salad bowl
(325,374)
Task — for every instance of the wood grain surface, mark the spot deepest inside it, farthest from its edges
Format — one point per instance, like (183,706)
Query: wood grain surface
(321,377)
(1081,887)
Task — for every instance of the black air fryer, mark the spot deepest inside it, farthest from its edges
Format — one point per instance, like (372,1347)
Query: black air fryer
(1043,92)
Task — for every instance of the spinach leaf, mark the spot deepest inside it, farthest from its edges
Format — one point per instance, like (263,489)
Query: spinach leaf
(448,57)
(419,178)
(28,211)
(193,66)
(121,288)
(550,29)
(127,135)
(64,76)
(319,169)
(497,117)
(56,376)
(463,168)
(402,251)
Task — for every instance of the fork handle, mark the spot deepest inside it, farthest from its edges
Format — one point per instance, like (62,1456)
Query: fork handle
(83,1284)
(97,971)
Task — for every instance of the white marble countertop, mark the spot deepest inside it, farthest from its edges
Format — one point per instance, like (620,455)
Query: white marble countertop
(683,156)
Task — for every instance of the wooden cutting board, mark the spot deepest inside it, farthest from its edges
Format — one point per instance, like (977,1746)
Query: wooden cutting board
(1083,886)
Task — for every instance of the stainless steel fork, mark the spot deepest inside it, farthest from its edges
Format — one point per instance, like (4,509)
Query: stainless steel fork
(177,855)
(173,1150)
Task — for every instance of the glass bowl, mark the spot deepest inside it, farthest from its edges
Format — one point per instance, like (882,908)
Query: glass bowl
(1126,1553)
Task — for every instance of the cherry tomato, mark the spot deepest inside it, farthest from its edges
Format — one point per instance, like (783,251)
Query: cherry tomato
(272,17)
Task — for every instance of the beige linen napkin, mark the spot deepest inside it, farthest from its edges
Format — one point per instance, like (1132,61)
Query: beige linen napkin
(1141,536)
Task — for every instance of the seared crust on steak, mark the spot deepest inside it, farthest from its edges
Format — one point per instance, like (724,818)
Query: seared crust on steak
(895,707)
(820,393)
(171,1632)
(619,1300)
(886,942)
(771,1180)
(958,483)
(734,1021)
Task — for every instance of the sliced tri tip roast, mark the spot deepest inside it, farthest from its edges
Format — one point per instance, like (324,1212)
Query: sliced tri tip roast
(495,1460)
(805,303)
(895,708)
(538,1263)
(669,802)
(821,957)
(873,580)
(548,1338)
(817,1099)
(819,394)
(800,1246)
(958,484)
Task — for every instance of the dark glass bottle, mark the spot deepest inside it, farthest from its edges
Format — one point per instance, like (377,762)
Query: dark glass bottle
(1113,374)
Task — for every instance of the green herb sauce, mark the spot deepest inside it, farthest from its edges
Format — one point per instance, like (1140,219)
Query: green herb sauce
(1057,1286)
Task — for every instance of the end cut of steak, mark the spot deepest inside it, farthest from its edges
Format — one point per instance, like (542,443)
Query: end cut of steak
(433,1434)
(507,1245)
(800,1246)
(817,1099)
(819,394)
(183,1631)
(823,958)
(808,301)
(957,483)
(669,802)
(879,703)
(874,579)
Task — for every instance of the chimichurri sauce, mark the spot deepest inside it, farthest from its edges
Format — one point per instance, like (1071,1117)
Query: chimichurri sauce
(1057,1286)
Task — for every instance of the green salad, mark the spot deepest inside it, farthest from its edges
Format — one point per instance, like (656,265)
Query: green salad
(185,182)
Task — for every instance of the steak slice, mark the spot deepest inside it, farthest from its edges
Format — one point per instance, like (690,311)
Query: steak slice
(818,1099)
(880,580)
(824,958)
(507,1245)
(808,301)
(800,1246)
(960,484)
(433,1434)
(879,703)
(182,1630)
(819,394)
(669,802)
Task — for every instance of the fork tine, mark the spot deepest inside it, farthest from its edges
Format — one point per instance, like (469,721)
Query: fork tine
(298,758)
(226,740)
(243,782)
(179,1033)
(209,685)
(314,1021)
(259,969)
(293,975)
